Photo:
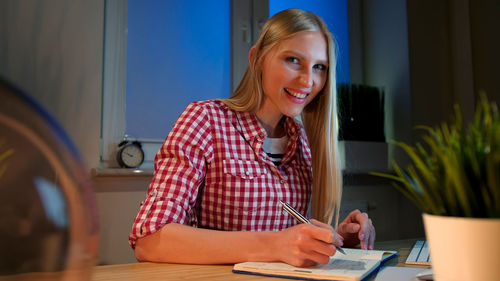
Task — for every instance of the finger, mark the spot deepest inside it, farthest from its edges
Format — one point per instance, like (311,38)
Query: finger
(369,233)
(321,248)
(372,238)
(323,234)
(318,257)
(350,227)
(303,263)
(332,237)
(361,218)
(314,250)
(300,261)
(323,237)
(352,216)
(362,240)
(338,239)
(366,234)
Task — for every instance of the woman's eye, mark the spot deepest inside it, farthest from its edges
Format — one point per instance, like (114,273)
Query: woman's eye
(292,60)
(320,67)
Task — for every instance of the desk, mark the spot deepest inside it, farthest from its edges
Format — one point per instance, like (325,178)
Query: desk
(166,271)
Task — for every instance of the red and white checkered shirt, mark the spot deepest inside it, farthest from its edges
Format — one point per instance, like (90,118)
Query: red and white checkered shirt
(212,172)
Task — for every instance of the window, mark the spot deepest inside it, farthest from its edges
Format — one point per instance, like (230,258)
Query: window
(160,55)
(177,52)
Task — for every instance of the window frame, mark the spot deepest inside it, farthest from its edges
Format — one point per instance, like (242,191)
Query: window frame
(244,13)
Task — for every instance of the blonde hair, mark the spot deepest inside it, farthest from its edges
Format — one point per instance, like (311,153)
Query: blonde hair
(319,116)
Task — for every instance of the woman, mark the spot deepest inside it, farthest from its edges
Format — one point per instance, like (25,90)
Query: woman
(226,164)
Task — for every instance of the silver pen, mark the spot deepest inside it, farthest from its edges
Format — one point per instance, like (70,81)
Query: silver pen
(298,216)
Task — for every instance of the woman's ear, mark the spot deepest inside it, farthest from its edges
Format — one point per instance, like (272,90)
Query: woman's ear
(250,55)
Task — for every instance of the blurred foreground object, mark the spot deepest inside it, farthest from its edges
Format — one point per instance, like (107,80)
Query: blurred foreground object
(48,216)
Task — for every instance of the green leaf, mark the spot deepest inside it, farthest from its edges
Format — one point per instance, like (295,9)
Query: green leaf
(456,170)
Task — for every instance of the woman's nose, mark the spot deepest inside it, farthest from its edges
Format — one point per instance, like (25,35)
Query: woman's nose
(306,78)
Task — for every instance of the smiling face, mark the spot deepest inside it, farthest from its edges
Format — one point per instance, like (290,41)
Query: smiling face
(294,71)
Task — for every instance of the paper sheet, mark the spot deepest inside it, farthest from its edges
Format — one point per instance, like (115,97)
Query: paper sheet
(393,273)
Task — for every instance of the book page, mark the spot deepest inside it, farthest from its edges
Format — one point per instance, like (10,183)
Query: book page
(358,254)
(352,266)
(345,267)
(337,269)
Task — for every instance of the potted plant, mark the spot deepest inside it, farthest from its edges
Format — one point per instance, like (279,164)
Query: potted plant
(454,179)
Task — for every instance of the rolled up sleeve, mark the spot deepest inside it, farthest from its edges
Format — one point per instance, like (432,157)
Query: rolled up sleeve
(179,170)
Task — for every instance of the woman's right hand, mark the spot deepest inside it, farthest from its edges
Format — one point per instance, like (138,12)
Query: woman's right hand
(307,244)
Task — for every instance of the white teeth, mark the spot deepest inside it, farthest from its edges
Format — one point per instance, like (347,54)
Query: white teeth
(295,94)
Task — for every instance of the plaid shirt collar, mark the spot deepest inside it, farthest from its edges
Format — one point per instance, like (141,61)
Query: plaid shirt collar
(253,132)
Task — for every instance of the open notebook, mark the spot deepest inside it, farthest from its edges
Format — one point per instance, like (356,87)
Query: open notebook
(355,265)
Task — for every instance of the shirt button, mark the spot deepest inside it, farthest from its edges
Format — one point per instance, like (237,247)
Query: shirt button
(247,173)
(151,193)
(282,181)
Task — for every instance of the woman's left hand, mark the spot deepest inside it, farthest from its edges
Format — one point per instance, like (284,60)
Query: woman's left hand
(357,228)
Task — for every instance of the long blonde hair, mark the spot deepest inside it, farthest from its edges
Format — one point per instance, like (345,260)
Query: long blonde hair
(319,116)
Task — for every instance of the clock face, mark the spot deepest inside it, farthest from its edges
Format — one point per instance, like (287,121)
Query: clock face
(132,155)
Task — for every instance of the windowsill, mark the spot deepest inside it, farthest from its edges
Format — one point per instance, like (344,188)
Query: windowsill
(124,172)
(120,172)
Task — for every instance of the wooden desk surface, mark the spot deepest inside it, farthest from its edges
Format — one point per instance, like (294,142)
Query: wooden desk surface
(165,271)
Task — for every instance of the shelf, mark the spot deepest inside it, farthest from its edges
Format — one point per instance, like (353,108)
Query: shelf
(120,172)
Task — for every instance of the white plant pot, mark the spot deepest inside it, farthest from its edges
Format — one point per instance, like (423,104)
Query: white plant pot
(463,248)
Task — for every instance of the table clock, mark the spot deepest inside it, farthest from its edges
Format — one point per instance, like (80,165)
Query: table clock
(130,154)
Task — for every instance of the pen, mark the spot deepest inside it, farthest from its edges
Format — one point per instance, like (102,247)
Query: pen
(298,216)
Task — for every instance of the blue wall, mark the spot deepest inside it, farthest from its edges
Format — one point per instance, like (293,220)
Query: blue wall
(177,52)
(334,13)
